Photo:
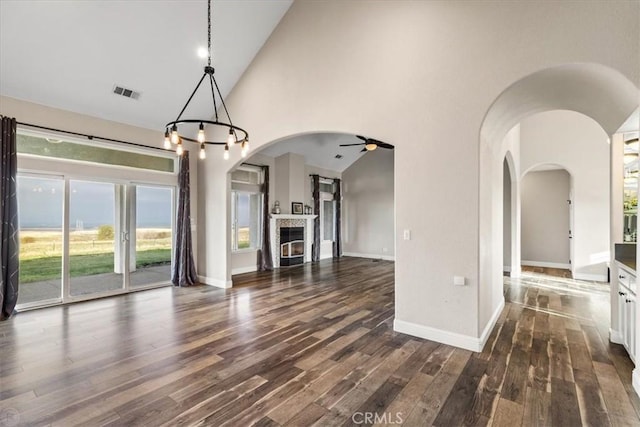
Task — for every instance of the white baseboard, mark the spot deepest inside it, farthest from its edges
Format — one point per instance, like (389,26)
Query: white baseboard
(242,270)
(635,381)
(490,324)
(590,277)
(615,336)
(373,256)
(224,284)
(546,264)
(450,338)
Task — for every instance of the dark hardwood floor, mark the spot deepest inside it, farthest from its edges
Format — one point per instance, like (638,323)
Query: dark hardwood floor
(312,344)
(549,271)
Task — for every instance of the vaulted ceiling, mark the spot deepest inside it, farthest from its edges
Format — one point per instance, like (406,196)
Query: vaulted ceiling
(70,54)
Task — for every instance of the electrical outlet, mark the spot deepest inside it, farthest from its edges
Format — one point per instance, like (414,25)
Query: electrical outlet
(458,280)
(385,249)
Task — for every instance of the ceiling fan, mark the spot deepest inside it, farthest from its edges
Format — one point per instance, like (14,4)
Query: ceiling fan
(370,144)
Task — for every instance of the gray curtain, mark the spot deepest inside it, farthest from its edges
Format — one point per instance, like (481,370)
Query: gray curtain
(315,253)
(183,270)
(265,261)
(337,197)
(9,241)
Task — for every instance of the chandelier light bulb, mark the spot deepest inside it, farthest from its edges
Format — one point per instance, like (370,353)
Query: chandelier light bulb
(203,155)
(201,134)
(179,150)
(371,146)
(175,138)
(243,151)
(167,141)
(226,152)
(231,139)
(245,144)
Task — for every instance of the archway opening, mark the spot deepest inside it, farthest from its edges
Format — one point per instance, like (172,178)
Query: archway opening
(598,92)
(333,191)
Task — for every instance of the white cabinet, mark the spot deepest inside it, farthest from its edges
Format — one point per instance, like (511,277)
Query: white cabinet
(627,310)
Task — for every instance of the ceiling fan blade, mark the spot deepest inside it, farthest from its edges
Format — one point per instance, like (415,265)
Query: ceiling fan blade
(349,145)
(362,137)
(363,150)
(385,145)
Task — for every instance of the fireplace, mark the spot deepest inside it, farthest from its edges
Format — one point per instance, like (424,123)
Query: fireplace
(291,246)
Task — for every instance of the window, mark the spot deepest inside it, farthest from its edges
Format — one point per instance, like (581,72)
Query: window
(328,219)
(66,150)
(246,209)
(246,213)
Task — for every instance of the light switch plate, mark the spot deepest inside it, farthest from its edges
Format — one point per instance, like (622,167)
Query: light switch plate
(458,280)
(407,234)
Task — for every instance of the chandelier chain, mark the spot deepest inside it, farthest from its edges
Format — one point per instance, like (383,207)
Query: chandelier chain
(209,32)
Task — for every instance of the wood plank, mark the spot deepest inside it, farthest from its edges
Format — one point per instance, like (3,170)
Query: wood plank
(437,392)
(536,407)
(593,410)
(564,409)
(508,414)
(613,392)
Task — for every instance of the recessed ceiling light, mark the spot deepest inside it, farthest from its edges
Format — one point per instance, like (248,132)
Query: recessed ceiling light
(202,52)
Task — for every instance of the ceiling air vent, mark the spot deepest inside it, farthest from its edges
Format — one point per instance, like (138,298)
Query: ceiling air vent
(338,156)
(127,93)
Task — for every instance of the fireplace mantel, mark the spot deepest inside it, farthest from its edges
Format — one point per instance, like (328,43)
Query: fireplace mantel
(277,220)
(291,216)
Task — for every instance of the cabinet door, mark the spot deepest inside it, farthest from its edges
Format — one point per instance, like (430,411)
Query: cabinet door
(622,314)
(631,327)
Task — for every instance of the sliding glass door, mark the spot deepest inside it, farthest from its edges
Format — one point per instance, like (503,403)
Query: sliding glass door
(151,242)
(95,249)
(83,239)
(40,207)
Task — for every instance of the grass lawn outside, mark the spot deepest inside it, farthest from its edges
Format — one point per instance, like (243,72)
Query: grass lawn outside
(41,252)
(50,268)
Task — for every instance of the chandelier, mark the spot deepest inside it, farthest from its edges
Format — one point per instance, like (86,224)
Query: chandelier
(235,134)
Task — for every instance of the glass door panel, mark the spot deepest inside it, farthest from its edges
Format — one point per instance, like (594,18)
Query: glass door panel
(151,244)
(327,221)
(95,255)
(40,204)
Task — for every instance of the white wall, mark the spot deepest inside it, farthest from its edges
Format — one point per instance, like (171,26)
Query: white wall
(578,144)
(368,227)
(545,218)
(419,91)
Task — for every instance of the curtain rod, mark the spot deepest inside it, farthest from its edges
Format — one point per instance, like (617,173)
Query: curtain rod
(252,164)
(323,177)
(89,137)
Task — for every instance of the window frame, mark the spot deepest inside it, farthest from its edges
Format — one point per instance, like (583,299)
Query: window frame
(234,221)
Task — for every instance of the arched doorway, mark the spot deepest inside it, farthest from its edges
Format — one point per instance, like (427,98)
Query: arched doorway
(594,90)
(355,207)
